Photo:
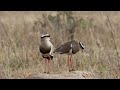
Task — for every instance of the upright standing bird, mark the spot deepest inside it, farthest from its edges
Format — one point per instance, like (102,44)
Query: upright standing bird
(70,48)
(46,48)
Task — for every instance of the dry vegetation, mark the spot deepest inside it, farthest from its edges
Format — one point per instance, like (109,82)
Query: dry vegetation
(20,38)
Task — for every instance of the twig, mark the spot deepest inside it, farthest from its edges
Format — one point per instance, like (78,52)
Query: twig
(113,36)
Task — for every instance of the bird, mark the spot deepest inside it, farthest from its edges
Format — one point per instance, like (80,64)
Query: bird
(70,47)
(46,49)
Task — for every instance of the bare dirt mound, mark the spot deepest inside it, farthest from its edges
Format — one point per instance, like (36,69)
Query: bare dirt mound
(65,75)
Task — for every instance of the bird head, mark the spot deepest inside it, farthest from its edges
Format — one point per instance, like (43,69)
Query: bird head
(46,37)
(81,46)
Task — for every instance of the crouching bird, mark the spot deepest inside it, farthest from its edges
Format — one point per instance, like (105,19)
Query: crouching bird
(46,49)
(70,48)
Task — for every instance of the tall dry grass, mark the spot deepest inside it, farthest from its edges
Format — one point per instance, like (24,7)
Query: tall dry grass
(20,38)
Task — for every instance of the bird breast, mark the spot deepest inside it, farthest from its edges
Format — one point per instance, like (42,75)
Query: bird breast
(45,47)
(46,44)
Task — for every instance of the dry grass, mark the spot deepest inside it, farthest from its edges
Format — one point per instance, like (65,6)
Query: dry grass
(20,38)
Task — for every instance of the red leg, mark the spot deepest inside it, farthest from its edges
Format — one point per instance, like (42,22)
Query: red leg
(45,65)
(68,59)
(68,63)
(51,64)
(48,66)
(71,62)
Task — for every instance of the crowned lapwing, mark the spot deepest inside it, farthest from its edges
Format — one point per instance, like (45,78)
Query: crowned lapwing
(46,48)
(70,48)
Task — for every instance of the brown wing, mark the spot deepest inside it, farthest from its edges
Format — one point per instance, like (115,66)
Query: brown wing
(65,48)
(75,47)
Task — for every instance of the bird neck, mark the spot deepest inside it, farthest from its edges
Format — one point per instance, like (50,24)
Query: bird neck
(71,45)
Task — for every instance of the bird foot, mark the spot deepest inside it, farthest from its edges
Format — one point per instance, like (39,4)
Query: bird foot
(71,70)
(45,72)
(48,72)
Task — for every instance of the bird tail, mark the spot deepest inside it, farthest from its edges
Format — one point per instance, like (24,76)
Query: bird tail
(57,51)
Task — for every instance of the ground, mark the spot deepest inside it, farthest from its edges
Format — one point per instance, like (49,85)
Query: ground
(64,75)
